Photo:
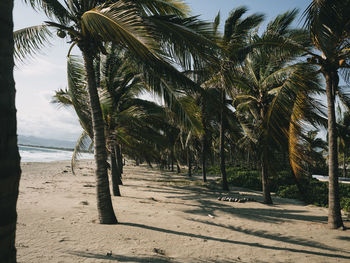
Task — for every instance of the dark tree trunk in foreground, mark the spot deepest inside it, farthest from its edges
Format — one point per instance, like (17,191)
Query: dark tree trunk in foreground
(222,143)
(9,156)
(189,163)
(104,202)
(334,212)
(265,182)
(115,174)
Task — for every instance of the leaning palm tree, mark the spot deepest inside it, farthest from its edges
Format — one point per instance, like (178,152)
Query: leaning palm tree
(153,31)
(328,23)
(9,156)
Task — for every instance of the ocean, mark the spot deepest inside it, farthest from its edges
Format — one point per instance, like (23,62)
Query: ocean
(36,154)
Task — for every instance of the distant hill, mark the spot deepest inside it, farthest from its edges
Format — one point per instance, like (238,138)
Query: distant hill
(36,141)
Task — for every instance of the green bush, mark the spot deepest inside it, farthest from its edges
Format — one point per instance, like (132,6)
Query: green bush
(283,183)
(246,179)
(288,191)
(345,204)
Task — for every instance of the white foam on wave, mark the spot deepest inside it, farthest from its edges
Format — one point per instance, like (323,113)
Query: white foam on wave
(34,154)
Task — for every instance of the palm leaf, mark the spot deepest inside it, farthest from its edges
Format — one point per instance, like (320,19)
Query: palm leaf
(122,24)
(82,144)
(164,7)
(30,40)
(52,8)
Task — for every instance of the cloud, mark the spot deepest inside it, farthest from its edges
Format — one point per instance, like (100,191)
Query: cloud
(52,124)
(40,67)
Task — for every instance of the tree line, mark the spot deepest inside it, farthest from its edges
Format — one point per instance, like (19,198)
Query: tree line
(245,93)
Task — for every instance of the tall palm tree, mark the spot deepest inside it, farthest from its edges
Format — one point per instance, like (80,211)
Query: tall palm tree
(9,156)
(152,31)
(329,24)
(234,43)
(268,87)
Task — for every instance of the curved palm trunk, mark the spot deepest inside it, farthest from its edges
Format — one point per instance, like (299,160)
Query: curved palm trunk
(9,157)
(115,174)
(334,213)
(104,202)
(222,143)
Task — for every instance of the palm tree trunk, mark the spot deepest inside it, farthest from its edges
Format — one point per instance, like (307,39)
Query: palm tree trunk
(178,168)
(172,160)
(334,213)
(189,163)
(104,202)
(115,173)
(119,159)
(149,163)
(265,182)
(344,164)
(9,157)
(204,140)
(222,143)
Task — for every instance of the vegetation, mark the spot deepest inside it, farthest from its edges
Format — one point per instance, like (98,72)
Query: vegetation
(243,101)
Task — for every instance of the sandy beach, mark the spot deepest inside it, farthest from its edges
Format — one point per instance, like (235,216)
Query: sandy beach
(164,217)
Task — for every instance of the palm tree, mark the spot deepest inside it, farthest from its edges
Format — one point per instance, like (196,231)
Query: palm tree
(234,43)
(268,86)
(144,28)
(9,156)
(328,23)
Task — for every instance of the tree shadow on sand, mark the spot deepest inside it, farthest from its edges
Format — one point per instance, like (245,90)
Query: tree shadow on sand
(242,243)
(274,236)
(121,258)
(344,238)
(146,259)
(206,203)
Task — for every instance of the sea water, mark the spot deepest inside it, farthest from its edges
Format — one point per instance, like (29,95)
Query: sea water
(37,154)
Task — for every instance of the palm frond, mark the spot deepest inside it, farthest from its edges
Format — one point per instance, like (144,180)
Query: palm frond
(344,97)
(120,23)
(78,93)
(30,40)
(82,144)
(52,8)
(189,41)
(164,7)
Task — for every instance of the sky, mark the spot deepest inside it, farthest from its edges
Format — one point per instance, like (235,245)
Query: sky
(38,78)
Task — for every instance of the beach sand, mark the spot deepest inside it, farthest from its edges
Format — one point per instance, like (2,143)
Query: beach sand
(164,217)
